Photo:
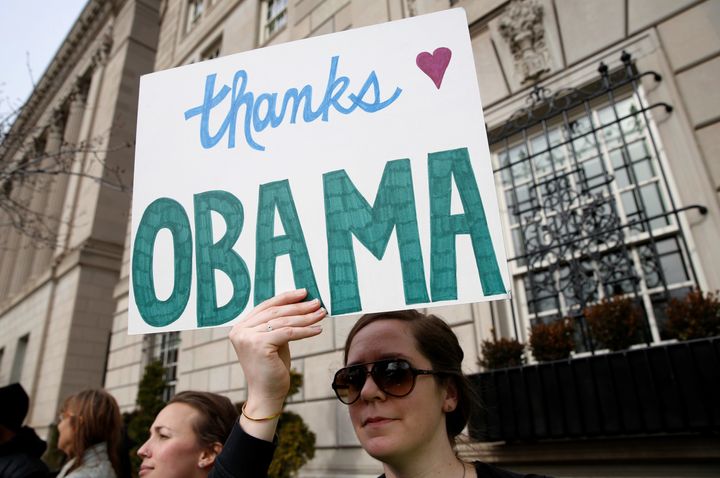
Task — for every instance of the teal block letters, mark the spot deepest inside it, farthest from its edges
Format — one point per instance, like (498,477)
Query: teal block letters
(444,166)
(168,214)
(277,196)
(347,213)
(210,257)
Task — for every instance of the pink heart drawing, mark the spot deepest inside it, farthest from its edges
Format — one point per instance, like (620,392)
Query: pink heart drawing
(434,65)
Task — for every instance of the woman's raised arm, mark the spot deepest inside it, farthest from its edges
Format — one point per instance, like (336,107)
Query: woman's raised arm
(261,344)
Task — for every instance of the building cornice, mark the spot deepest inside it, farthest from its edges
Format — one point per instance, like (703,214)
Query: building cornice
(74,47)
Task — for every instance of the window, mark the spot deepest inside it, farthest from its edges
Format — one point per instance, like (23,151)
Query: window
(165,350)
(587,209)
(195,10)
(213,51)
(19,361)
(274,18)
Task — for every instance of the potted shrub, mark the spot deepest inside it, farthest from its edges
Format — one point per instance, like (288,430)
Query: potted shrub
(501,353)
(695,316)
(616,322)
(553,341)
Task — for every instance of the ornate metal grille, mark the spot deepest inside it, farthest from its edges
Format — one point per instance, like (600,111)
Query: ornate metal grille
(589,206)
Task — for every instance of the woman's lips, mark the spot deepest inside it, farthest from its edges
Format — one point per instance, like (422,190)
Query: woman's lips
(376,421)
(145,469)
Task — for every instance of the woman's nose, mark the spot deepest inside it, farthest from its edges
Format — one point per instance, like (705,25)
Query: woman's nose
(370,390)
(144,450)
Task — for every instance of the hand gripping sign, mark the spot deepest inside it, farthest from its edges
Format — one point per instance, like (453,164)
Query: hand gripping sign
(354,165)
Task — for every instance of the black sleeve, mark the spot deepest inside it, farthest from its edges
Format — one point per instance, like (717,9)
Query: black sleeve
(490,471)
(243,456)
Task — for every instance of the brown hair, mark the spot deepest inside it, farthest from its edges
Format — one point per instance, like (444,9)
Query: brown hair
(95,418)
(439,344)
(217,416)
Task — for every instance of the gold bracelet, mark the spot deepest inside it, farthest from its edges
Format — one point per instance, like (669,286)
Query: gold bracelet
(271,417)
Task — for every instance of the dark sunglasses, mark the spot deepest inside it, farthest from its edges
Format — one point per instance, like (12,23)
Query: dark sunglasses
(395,377)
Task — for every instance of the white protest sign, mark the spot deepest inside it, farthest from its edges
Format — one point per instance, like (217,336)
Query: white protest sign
(354,165)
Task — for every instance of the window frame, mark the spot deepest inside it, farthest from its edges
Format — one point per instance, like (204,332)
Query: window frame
(266,34)
(633,242)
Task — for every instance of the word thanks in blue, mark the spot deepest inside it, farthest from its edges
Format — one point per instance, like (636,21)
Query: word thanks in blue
(261,111)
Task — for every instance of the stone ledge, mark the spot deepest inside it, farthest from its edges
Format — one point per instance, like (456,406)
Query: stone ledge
(687,448)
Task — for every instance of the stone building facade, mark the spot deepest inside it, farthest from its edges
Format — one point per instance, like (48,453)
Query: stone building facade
(56,297)
(558,43)
(525,51)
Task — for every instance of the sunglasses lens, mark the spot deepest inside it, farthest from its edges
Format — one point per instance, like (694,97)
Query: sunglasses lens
(393,377)
(348,383)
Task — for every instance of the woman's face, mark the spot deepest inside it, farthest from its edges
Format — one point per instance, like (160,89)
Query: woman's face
(173,449)
(396,430)
(66,432)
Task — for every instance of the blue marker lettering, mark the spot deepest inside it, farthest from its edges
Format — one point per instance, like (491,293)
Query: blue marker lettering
(261,110)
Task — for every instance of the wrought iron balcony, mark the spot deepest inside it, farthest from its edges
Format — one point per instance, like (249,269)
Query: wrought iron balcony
(664,389)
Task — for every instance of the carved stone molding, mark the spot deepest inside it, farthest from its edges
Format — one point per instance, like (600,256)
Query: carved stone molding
(521,26)
(411,8)
(80,90)
(57,121)
(102,54)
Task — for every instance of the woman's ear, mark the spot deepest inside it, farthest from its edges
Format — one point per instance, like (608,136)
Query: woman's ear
(450,401)
(208,455)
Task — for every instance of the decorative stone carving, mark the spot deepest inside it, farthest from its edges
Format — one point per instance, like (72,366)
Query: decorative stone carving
(411,8)
(101,55)
(522,28)
(57,121)
(80,89)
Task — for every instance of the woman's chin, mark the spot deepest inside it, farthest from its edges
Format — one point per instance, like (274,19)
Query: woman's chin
(380,448)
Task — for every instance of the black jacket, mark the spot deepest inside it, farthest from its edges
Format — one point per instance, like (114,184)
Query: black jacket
(20,457)
(243,456)
(488,471)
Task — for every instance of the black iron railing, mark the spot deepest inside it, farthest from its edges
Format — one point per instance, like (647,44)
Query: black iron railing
(672,388)
(589,205)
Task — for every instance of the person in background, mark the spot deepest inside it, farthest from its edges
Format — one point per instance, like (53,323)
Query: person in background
(20,447)
(187,436)
(198,434)
(402,382)
(89,428)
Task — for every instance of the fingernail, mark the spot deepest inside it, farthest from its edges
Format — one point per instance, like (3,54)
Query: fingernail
(316,326)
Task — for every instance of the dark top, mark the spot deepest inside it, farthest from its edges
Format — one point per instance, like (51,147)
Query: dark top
(20,457)
(484,470)
(243,456)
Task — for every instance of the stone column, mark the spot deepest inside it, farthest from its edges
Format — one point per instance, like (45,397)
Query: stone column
(91,94)
(64,160)
(10,241)
(53,144)
(32,192)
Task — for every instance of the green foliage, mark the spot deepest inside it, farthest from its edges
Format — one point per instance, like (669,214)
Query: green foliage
(296,443)
(615,323)
(695,316)
(53,457)
(502,353)
(149,403)
(553,341)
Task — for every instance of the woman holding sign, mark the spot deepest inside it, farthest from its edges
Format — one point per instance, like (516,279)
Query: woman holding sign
(198,434)
(406,394)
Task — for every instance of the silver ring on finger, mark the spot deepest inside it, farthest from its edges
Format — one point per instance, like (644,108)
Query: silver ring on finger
(268,327)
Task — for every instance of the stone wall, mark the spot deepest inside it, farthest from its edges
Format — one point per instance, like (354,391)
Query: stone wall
(678,38)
